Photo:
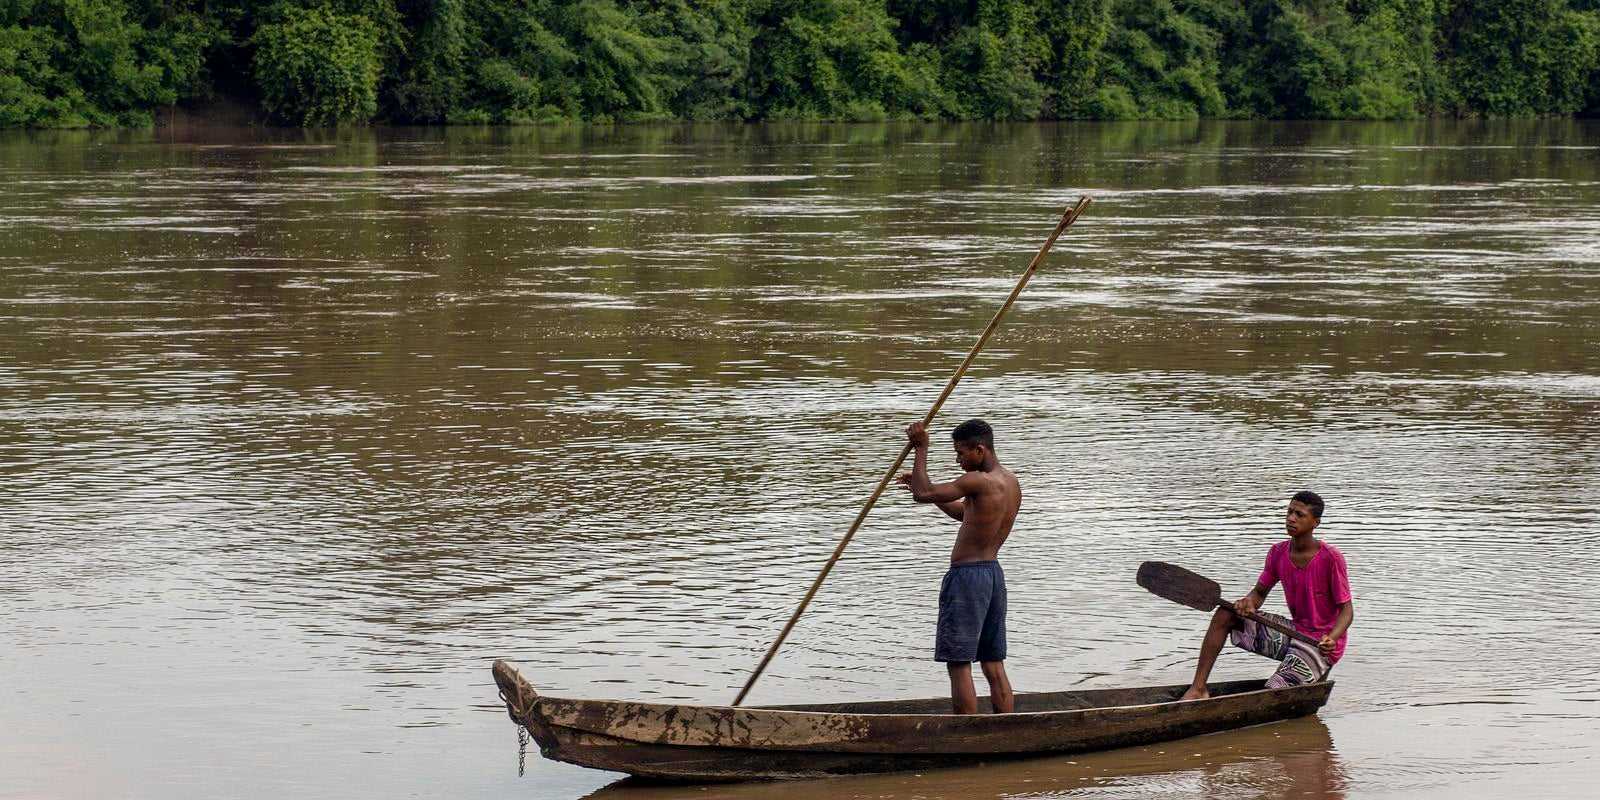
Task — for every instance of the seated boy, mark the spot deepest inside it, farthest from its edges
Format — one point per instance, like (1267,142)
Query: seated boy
(1316,587)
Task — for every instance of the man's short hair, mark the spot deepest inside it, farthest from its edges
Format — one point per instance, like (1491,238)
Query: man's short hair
(1312,501)
(974,432)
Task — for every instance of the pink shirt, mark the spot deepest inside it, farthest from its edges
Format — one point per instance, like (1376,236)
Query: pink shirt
(1314,592)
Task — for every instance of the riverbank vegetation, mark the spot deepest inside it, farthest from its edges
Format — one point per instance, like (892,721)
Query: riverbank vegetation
(95,63)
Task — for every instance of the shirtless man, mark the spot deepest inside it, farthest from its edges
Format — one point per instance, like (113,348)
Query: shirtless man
(972,599)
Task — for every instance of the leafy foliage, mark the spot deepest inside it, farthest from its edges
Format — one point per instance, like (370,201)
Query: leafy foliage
(1161,60)
(1522,57)
(76,63)
(79,63)
(317,67)
(1325,61)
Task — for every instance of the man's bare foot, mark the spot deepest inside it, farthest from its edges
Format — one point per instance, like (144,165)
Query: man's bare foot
(1195,694)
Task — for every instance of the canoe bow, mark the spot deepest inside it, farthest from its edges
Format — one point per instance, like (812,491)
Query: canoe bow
(522,703)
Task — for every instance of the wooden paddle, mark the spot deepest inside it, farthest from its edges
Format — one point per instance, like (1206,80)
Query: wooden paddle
(1067,219)
(1200,593)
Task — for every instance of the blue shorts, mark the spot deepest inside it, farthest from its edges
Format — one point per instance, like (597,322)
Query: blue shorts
(972,613)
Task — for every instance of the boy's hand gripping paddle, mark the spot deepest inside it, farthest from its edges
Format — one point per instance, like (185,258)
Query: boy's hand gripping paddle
(1200,593)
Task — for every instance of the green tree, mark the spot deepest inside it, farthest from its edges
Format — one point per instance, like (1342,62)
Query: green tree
(620,64)
(546,60)
(992,63)
(837,59)
(1160,60)
(1319,60)
(316,62)
(75,63)
(317,67)
(1076,31)
(709,46)
(1522,57)
(431,86)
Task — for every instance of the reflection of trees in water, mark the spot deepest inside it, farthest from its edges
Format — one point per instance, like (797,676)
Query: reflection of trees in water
(1295,758)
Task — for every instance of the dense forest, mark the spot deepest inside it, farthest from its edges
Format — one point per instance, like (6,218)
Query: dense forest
(77,63)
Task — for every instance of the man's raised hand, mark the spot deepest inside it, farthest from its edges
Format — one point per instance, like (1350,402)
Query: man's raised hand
(917,434)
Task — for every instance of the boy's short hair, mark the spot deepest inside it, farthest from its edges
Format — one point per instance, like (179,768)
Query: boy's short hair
(1312,501)
(972,432)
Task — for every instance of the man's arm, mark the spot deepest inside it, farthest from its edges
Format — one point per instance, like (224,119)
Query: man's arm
(923,490)
(1339,592)
(945,495)
(956,510)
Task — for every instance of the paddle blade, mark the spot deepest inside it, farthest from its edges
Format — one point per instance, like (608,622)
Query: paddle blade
(1180,585)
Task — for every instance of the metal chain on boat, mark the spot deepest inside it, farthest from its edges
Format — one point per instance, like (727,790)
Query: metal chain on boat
(522,750)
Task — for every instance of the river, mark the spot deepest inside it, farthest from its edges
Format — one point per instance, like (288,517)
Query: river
(300,430)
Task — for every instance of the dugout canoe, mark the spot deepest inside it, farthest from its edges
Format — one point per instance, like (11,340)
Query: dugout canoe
(727,743)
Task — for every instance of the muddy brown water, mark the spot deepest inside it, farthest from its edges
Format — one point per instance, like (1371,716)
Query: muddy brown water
(298,432)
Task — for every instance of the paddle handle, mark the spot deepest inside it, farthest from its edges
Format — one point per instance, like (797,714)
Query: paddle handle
(1271,623)
(1067,219)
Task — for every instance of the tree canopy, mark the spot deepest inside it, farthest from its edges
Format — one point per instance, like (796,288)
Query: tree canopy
(83,63)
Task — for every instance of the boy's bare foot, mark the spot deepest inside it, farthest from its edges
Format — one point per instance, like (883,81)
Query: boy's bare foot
(1195,694)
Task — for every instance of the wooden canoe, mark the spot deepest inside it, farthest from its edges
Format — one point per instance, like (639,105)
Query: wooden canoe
(727,743)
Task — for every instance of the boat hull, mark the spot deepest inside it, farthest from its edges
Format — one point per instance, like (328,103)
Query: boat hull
(721,743)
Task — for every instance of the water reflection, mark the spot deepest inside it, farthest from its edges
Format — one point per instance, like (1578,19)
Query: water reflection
(1296,758)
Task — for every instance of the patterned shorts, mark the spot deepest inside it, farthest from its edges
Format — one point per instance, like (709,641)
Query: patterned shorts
(1298,662)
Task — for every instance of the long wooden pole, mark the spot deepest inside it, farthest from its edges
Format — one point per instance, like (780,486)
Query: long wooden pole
(1067,219)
